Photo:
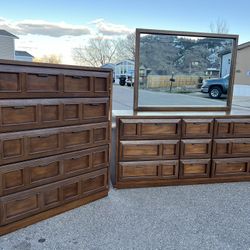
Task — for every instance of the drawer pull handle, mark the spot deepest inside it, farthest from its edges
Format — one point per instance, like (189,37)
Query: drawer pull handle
(76,157)
(76,77)
(44,136)
(42,75)
(18,107)
(43,165)
(94,104)
(73,132)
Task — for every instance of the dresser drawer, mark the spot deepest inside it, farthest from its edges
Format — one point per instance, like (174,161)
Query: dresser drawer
(199,148)
(32,144)
(41,82)
(232,127)
(21,205)
(231,167)
(149,128)
(36,82)
(51,112)
(10,83)
(40,113)
(148,170)
(197,128)
(195,168)
(28,174)
(231,147)
(143,150)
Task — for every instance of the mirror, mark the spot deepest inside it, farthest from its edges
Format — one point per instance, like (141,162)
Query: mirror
(184,70)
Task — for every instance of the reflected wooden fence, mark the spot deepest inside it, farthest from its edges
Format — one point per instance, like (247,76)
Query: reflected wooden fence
(156,81)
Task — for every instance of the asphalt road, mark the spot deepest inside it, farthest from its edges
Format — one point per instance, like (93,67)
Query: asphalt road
(123,98)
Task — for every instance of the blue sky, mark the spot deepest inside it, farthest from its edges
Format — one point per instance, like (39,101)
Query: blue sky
(93,16)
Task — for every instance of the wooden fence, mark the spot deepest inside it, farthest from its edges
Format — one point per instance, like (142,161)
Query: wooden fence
(155,81)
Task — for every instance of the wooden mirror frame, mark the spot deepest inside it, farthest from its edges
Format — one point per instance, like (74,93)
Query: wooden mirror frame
(228,105)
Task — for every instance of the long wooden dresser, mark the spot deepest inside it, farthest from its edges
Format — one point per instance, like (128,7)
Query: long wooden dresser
(154,149)
(54,140)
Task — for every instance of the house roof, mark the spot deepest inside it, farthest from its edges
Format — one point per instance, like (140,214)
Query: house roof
(108,65)
(6,33)
(22,53)
(243,45)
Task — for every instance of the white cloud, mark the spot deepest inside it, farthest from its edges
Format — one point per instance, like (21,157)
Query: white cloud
(111,29)
(41,27)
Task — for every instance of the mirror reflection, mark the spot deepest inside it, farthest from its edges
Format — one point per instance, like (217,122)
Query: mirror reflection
(185,71)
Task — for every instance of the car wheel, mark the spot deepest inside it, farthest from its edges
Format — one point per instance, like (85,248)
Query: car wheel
(215,92)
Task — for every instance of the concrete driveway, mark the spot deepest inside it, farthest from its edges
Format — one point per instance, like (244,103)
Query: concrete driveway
(202,217)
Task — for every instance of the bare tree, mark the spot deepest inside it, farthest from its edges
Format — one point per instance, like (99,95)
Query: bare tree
(97,52)
(220,26)
(126,47)
(52,58)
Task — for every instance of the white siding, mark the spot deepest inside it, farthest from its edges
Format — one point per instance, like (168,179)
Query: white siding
(225,64)
(7,48)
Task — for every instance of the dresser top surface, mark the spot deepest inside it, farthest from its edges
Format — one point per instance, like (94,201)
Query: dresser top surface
(235,111)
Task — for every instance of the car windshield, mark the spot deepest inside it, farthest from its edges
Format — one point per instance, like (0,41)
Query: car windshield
(226,76)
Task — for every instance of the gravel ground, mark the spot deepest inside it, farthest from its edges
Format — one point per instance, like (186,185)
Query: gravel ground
(177,217)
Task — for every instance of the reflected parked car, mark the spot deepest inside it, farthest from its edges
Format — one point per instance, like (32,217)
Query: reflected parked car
(215,87)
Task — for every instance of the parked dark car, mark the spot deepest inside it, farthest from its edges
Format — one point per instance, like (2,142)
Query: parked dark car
(215,87)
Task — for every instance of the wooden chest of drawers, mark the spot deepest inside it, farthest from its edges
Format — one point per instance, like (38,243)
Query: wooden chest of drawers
(165,150)
(54,140)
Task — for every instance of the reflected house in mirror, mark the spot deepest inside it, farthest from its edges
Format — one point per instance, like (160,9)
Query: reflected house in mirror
(172,68)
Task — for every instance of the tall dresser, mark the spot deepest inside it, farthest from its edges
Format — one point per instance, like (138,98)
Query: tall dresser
(54,140)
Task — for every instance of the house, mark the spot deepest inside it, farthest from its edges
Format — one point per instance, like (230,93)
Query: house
(125,67)
(110,66)
(242,69)
(225,63)
(242,74)
(23,56)
(7,45)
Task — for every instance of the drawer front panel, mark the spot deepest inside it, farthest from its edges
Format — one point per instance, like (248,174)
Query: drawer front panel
(143,150)
(95,111)
(9,82)
(18,115)
(77,84)
(24,204)
(195,168)
(231,167)
(149,128)
(29,174)
(196,148)
(148,170)
(42,83)
(231,148)
(197,128)
(27,145)
(232,128)
(21,207)
(35,82)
